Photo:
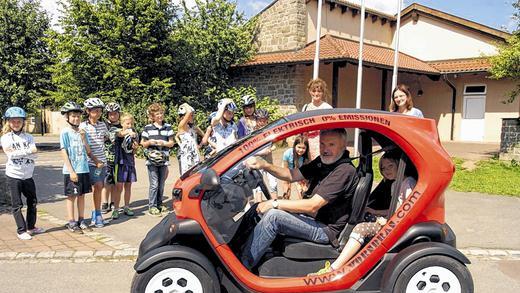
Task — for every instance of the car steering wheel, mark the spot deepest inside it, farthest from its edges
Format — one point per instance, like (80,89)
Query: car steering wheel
(257,176)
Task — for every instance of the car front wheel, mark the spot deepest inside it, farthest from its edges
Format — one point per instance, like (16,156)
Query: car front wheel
(173,276)
(435,273)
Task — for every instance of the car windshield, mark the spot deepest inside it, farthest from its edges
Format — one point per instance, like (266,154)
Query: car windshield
(211,161)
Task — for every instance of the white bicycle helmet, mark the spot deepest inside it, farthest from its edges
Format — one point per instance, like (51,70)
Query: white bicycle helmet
(127,144)
(92,103)
(156,157)
(113,107)
(248,100)
(230,107)
(183,109)
(262,114)
(70,107)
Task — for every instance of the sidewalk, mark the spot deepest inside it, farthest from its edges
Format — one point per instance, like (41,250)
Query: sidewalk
(58,244)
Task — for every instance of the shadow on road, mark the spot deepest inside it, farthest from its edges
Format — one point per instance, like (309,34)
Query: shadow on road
(49,183)
(140,208)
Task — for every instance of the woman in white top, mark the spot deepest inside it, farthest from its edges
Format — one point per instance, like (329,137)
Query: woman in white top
(402,102)
(318,91)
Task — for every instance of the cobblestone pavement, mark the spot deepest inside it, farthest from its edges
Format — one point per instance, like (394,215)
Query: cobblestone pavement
(58,244)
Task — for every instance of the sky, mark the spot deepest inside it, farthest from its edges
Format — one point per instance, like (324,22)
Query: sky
(493,13)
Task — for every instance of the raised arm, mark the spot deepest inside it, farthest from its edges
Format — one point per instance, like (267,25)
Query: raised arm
(277,171)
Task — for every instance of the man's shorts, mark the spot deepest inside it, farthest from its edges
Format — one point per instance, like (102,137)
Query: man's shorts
(125,173)
(110,179)
(99,177)
(77,188)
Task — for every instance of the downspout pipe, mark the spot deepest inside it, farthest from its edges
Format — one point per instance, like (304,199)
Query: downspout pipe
(453,102)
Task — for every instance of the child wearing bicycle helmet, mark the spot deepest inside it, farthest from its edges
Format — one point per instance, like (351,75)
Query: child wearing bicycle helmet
(224,128)
(21,152)
(247,123)
(113,111)
(187,133)
(75,148)
(97,133)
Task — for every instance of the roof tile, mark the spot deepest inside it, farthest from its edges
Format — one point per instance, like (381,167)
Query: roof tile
(462,65)
(334,48)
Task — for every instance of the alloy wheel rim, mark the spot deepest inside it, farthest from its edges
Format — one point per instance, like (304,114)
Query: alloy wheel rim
(434,279)
(174,280)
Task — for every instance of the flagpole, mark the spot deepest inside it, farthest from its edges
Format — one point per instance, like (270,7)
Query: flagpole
(317,49)
(360,70)
(396,45)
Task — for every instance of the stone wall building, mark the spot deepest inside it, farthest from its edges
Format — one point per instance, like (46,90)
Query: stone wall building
(510,139)
(440,58)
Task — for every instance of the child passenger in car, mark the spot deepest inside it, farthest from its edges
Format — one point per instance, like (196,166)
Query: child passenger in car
(376,219)
(296,157)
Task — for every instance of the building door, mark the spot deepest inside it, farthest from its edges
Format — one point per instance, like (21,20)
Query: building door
(473,113)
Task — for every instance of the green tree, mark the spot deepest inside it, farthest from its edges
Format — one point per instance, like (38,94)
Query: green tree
(137,52)
(507,63)
(24,55)
(117,50)
(207,41)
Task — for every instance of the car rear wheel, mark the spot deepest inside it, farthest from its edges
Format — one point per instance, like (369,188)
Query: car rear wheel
(173,276)
(435,273)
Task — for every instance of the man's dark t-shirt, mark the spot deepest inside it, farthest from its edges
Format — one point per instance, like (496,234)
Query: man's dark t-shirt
(336,183)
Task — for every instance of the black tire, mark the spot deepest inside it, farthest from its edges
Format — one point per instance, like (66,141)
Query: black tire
(172,277)
(444,273)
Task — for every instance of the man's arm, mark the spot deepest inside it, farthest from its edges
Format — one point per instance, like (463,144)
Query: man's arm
(286,174)
(309,206)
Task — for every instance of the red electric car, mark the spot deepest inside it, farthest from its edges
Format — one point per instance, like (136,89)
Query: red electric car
(196,248)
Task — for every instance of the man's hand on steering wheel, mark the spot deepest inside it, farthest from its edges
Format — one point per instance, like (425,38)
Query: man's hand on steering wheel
(255,163)
(264,206)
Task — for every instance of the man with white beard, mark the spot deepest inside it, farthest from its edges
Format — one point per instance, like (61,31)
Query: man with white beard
(322,213)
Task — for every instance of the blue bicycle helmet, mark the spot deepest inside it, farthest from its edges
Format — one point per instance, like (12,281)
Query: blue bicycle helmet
(15,112)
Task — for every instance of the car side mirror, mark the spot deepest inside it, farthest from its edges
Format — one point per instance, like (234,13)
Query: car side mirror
(209,180)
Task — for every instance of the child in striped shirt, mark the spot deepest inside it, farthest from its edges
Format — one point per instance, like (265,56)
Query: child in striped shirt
(97,133)
(157,138)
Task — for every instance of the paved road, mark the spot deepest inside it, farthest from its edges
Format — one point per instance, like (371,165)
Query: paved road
(486,227)
(111,277)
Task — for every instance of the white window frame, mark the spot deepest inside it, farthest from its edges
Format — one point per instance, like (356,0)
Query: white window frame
(475,94)
(478,94)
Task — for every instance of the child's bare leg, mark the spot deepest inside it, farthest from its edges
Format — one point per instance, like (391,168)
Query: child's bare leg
(70,208)
(351,248)
(128,193)
(97,188)
(116,194)
(81,206)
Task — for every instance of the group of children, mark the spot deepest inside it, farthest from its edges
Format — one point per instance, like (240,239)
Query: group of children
(99,158)
(98,148)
